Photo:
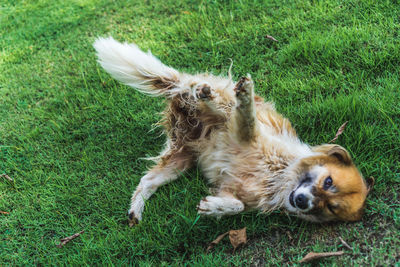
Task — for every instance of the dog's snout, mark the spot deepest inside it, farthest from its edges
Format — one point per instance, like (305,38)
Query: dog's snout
(301,201)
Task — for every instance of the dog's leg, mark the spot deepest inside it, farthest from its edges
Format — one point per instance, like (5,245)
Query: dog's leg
(167,170)
(244,119)
(217,206)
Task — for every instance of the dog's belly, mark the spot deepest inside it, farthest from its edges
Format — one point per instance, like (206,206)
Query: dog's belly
(217,159)
(234,167)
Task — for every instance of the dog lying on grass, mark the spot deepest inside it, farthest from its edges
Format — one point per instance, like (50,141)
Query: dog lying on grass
(250,154)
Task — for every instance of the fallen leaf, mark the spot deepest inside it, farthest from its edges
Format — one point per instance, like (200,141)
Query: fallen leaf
(65,240)
(344,243)
(237,237)
(7,177)
(271,38)
(339,132)
(314,255)
(4,212)
(216,241)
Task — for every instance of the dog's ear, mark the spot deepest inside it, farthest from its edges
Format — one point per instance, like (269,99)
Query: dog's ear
(370,183)
(336,151)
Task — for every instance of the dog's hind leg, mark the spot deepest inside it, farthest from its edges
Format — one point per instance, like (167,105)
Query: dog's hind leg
(167,170)
(244,121)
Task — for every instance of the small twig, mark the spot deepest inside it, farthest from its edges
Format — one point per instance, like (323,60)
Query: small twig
(69,238)
(271,38)
(314,256)
(290,237)
(4,212)
(6,177)
(345,244)
(339,132)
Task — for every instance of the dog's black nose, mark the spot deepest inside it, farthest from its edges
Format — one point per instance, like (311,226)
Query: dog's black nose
(301,201)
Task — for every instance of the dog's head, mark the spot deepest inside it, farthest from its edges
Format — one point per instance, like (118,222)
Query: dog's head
(329,188)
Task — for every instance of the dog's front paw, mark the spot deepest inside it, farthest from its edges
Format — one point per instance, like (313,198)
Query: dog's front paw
(211,206)
(219,206)
(244,88)
(206,207)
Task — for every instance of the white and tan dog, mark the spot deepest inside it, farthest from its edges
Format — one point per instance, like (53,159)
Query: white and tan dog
(249,153)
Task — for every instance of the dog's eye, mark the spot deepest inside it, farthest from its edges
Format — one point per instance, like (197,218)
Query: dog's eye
(327,183)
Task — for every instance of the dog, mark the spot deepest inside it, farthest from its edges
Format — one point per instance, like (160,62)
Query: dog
(249,153)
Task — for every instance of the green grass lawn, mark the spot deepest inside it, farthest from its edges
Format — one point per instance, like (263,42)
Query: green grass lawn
(73,139)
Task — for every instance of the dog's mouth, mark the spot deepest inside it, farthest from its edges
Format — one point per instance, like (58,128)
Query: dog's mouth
(291,199)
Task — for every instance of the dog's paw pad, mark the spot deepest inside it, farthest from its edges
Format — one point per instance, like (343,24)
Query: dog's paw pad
(204,92)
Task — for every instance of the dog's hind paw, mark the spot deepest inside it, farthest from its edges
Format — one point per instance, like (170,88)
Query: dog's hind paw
(132,219)
(204,92)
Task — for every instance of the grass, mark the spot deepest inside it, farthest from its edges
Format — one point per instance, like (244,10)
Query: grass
(73,139)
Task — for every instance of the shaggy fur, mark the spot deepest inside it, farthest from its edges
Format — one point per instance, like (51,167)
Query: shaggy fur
(249,153)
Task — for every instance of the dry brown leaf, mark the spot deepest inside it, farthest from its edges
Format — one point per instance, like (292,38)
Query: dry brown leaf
(315,255)
(7,177)
(65,240)
(4,212)
(339,132)
(237,237)
(216,241)
(271,38)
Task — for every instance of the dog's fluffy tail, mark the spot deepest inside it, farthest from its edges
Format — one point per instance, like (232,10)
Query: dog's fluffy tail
(130,65)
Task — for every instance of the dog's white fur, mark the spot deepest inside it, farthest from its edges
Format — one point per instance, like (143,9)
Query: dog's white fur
(250,154)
